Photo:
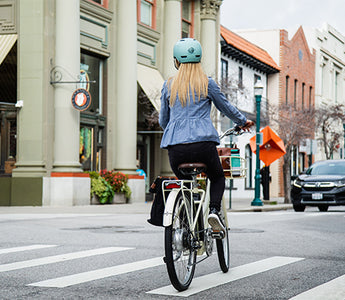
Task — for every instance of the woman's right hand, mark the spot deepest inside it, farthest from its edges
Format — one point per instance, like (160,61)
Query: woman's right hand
(246,127)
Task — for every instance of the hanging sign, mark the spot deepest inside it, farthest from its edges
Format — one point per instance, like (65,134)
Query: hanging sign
(81,99)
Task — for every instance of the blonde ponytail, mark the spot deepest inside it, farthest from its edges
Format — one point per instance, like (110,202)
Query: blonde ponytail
(190,79)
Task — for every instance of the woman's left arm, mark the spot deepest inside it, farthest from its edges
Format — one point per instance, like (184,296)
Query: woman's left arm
(223,105)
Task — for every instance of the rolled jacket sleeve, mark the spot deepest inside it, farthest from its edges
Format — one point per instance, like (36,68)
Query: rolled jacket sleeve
(223,105)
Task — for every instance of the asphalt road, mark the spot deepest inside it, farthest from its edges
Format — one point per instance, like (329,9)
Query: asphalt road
(274,255)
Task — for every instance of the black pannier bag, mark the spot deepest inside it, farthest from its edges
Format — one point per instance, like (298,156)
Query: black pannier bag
(157,208)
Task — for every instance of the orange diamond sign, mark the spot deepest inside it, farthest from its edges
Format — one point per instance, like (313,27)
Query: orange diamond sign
(272,147)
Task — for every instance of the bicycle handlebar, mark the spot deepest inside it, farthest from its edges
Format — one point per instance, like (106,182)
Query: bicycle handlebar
(236,130)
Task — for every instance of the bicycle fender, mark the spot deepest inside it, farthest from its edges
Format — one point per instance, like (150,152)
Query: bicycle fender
(169,207)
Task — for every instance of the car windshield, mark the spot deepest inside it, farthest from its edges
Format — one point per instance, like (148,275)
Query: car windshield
(330,168)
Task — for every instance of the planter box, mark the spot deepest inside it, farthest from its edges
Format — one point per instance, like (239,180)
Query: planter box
(119,198)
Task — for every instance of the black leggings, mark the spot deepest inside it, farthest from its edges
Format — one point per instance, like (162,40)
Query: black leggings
(204,152)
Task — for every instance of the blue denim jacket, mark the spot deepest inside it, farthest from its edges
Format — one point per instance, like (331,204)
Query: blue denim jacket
(193,123)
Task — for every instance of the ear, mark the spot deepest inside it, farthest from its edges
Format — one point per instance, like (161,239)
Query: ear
(176,63)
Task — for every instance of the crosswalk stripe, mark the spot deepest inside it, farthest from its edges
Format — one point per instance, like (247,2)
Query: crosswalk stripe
(58,258)
(334,289)
(65,281)
(206,282)
(25,248)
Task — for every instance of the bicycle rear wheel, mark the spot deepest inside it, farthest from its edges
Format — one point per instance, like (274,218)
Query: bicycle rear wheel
(180,256)
(223,249)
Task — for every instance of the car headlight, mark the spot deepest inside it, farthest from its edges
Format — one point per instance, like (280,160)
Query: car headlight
(340,183)
(297,183)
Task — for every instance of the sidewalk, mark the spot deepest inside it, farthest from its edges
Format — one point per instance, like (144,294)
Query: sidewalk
(237,205)
(244,205)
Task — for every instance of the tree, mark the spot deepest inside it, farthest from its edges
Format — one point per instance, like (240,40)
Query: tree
(329,120)
(293,127)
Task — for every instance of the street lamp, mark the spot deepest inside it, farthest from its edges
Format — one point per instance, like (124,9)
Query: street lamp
(258,90)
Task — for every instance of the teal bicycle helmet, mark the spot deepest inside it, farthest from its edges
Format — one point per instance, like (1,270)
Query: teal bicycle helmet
(187,50)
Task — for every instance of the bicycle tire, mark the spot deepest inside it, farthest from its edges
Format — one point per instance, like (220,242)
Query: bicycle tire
(180,257)
(223,249)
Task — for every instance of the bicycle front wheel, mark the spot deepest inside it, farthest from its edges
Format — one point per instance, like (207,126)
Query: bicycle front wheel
(180,256)
(223,249)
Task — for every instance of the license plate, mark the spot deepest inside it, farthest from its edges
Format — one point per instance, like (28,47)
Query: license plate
(317,196)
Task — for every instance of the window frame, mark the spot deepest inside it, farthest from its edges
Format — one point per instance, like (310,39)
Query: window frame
(287,80)
(191,21)
(153,4)
(105,3)
(295,94)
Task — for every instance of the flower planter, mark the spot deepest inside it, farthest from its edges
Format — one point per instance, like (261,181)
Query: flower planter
(119,198)
(94,199)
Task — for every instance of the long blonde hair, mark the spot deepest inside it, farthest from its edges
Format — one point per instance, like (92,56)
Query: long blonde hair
(189,78)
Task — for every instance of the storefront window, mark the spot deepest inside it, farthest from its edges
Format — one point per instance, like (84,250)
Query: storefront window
(92,121)
(86,147)
(91,69)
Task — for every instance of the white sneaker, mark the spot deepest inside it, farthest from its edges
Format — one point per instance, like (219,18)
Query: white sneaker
(215,222)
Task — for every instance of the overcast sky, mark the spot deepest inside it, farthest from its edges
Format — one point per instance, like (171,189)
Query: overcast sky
(283,14)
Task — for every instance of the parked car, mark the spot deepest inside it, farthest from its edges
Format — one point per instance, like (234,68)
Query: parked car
(322,185)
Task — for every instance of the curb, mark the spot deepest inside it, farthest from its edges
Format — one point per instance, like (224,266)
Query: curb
(262,208)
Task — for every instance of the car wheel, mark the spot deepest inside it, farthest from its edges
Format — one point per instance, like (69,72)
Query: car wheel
(323,207)
(298,207)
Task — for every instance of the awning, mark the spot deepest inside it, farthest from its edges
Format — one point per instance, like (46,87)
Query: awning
(151,81)
(6,43)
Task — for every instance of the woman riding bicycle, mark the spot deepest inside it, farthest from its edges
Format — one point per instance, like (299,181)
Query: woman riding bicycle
(189,134)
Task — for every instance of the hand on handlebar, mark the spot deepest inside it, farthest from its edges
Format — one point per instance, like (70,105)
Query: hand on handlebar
(246,127)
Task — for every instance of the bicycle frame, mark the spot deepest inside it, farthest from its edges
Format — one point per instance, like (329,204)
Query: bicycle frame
(182,186)
(186,220)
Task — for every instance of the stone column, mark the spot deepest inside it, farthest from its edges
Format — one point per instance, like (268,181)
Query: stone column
(172,33)
(209,38)
(210,42)
(125,135)
(31,158)
(67,61)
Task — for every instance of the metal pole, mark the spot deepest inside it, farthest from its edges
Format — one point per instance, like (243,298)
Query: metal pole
(257,201)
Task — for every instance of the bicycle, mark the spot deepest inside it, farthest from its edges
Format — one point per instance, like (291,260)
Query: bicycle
(185,217)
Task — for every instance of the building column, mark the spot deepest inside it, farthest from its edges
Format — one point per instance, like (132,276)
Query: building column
(209,35)
(172,33)
(31,158)
(125,135)
(67,59)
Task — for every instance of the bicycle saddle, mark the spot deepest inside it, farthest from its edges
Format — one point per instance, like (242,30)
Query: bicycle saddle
(192,168)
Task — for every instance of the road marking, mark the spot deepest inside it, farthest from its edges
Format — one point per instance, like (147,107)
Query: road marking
(65,281)
(334,289)
(25,248)
(206,282)
(58,258)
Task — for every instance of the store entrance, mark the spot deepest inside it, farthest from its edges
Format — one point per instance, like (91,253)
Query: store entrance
(8,138)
